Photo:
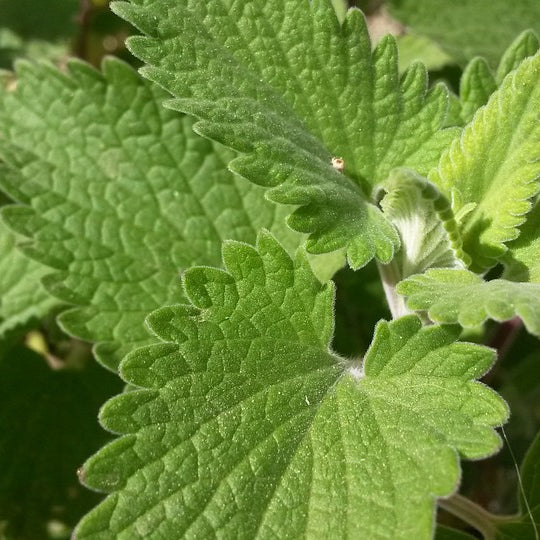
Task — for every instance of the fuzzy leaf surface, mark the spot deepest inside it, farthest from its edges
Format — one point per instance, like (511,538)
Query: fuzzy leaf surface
(460,296)
(495,165)
(22,297)
(246,424)
(467,29)
(522,261)
(478,81)
(284,84)
(118,196)
(427,227)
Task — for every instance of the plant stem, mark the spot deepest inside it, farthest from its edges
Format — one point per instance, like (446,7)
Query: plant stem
(474,515)
(390,276)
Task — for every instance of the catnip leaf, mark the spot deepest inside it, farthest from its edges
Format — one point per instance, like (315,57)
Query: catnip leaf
(479,82)
(284,84)
(245,424)
(522,262)
(22,298)
(468,29)
(427,227)
(413,48)
(118,196)
(476,86)
(459,296)
(495,164)
(525,45)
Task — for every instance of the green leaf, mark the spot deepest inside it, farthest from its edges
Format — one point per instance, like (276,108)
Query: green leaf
(523,258)
(427,228)
(466,29)
(245,424)
(525,45)
(495,164)
(479,82)
(414,48)
(119,196)
(291,89)
(22,298)
(476,86)
(47,428)
(451,296)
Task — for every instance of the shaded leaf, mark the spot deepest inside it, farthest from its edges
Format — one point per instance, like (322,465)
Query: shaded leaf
(467,29)
(118,196)
(22,298)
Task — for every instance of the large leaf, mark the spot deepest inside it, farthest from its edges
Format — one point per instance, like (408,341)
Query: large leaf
(246,425)
(283,83)
(118,196)
(451,296)
(47,428)
(495,165)
(22,298)
(466,28)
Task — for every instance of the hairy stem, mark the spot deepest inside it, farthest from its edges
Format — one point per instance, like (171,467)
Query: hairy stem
(474,515)
(390,276)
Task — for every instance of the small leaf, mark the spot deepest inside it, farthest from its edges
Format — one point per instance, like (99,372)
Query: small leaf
(428,230)
(496,165)
(478,81)
(476,86)
(525,45)
(245,424)
(414,48)
(451,296)
(291,89)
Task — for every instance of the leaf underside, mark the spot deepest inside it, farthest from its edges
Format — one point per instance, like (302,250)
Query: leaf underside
(245,424)
(459,296)
(118,196)
(290,89)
